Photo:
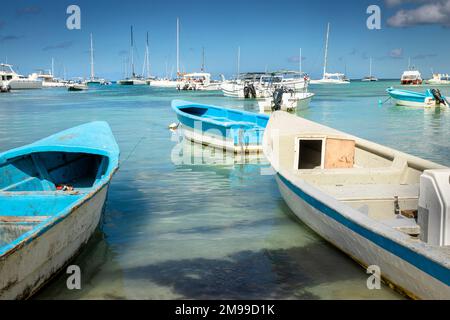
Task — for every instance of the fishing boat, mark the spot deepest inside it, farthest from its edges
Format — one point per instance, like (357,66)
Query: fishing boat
(330,78)
(286,100)
(411,78)
(232,130)
(52,194)
(439,79)
(78,87)
(431,98)
(380,206)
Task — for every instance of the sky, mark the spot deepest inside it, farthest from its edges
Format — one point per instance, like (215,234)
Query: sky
(269,34)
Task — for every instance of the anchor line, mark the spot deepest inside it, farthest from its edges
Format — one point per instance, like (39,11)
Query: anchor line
(134,149)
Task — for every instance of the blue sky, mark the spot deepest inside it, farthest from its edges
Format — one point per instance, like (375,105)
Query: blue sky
(269,33)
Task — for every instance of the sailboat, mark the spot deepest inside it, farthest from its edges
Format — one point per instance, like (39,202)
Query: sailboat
(146,66)
(167,82)
(92,79)
(330,78)
(134,80)
(370,78)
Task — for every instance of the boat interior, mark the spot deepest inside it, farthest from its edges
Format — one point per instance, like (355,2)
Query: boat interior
(226,116)
(37,186)
(382,187)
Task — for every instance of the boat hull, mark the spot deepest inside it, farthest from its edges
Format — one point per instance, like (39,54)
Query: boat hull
(30,266)
(25,84)
(353,240)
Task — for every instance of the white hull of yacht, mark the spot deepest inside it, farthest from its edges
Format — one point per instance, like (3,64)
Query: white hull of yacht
(329,81)
(164,83)
(291,102)
(25,84)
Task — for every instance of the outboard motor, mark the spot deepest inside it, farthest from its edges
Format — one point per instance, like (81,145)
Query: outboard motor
(252,90)
(246,92)
(434,207)
(277,99)
(438,97)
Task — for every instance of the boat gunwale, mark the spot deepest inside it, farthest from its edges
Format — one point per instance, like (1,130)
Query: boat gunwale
(178,104)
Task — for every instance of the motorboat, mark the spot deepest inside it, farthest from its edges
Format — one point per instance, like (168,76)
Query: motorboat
(16,81)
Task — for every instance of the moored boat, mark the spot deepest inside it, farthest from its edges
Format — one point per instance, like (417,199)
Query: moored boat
(233,130)
(380,206)
(52,194)
(430,99)
(411,78)
(78,87)
(286,100)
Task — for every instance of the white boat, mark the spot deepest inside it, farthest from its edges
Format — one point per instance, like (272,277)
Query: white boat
(93,80)
(48,81)
(370,78)
(16,81)
(411,77)
(134,79)
(198,81)
(286,100)
(439,79)
(78,87)
(330,78)
(382,207)
(261,85)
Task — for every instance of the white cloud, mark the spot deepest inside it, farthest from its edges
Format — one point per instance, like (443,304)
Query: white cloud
(396,53)
(429,12)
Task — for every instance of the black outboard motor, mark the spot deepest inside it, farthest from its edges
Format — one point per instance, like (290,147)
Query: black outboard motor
(438,97)
(252,90)
(277,99)
(246,92)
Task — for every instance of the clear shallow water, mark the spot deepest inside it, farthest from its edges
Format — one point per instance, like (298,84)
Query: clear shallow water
(186,222)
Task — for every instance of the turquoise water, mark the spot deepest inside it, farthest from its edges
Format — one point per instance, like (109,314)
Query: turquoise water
(187,222)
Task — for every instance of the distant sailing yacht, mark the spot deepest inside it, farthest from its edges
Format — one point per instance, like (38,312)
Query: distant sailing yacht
(134,80)
(330,78)
(370,78)
(170,83)
(93,80)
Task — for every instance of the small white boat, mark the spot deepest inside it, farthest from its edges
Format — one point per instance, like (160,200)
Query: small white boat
(16,81)
(198,81)
(78,87)
(380,206)
(330,78)
(164,83)
(286,100)
(432,98)
(439,79)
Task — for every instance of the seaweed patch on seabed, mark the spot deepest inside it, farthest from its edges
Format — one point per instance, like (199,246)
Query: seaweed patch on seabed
(265,274)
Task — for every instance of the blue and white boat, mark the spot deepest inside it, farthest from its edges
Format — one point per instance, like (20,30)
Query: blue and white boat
(52,194)
(232,130)
(431,98)
(387,210)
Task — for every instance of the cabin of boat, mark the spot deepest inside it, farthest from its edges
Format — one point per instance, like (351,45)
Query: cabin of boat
(411,77)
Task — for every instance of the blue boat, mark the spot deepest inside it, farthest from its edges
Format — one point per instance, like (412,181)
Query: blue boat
(52,194)
(232,130)
(431,98)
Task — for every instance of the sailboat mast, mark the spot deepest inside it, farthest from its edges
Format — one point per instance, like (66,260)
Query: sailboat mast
(300,58)
(239,61)
(203,59)
(326,51)
(370,71)
(53,67)
(132,53)
(148,58)
(178,47)
(92,59)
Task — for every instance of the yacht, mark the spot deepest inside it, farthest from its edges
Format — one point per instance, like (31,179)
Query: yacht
(411,77)
(47,79)
(330,78)
(93,80)
(167,82)
(370,78)
(439,79)
(134,80)
(198,81)
(16,81)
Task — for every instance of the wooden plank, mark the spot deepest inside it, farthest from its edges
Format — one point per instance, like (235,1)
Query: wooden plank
(16,219)
(339,153)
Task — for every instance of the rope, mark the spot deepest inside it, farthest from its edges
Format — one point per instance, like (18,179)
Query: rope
(134,149)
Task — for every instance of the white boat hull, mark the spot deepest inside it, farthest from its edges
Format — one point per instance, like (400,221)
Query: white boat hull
(407,278)
(216,141)
(329,81)
(53,85)
(32,265)
(300,101)
(24,84)
(164,83)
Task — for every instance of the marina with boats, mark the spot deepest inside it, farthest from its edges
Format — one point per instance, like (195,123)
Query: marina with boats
(261,183)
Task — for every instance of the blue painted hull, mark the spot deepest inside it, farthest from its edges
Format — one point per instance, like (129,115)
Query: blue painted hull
(221,127)
(52,194)
(411,98)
